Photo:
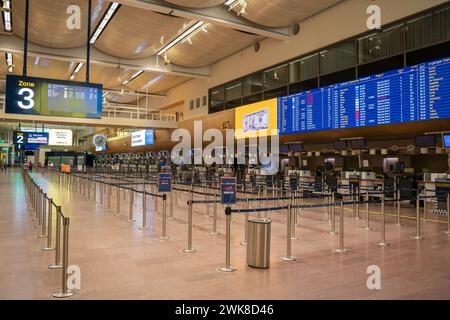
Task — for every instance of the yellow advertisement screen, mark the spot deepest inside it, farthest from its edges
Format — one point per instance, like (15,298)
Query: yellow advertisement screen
(256,119)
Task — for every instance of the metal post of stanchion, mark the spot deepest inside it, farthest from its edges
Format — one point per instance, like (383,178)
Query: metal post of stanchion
(293,231)
(246,217)
(144,210)
(65,292)
(171,204)
(399,222)
(448,214)
(333,214)
(101,187)
(164,219)
(108,202)
(418,235)
(341,230)
(383,242)
(189,248)
(118,201)
(38,207)
(228,267)
(214,223)
(367,227)
(357,203)
(425,210)
(289,219)
(57,264)
(155,199)
(44,217)
(49,226)
(130,217)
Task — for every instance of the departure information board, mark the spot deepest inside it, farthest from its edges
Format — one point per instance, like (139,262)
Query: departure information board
(415,93)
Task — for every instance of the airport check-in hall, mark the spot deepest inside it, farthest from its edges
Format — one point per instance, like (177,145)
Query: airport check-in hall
(225,150)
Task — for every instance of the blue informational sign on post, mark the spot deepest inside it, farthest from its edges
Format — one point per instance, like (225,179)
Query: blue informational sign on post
(228,190)
(165,182)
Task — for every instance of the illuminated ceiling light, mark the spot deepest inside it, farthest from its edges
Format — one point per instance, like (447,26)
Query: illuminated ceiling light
(121,92)
(231,4)
(76,70)
(107,16)
(195,25)
(6,14)
(134,76)
(9,61)
(166,60)
(105,94)
(36,60)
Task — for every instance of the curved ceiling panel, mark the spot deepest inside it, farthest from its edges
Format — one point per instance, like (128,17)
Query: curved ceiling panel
(42,67)
(136,33)
(47,21)
(197,3)
(283,13)
(207,48)
(155,83)
(111,78)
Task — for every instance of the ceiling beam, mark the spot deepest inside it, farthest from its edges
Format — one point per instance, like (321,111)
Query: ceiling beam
(14,44)
(218,15)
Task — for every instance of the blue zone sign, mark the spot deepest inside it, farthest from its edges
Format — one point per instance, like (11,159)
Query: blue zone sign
(165,182)
(228,190)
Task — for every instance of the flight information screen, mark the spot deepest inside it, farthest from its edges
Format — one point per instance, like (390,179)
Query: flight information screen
(415,93)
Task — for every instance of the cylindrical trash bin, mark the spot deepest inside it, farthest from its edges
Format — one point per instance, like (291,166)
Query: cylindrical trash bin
(258,243)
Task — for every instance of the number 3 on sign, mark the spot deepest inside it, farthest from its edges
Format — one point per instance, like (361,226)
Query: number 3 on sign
(27,95)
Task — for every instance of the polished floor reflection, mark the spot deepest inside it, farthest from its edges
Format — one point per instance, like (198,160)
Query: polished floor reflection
(120,261)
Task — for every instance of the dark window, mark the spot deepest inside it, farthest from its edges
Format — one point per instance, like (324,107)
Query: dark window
(337,77)
(205,101)
(191,105)
(233,90)
(197,103)
(274,93)
(380,66)
(252,99)
(276,77)
(233,104)
(253,84)
(303,86)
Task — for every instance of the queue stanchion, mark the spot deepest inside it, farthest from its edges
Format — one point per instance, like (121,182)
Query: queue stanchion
(44,217)
(333,214)
(342,249)
(292,213)
(164,219)
(383,242)
(101,188)
(418,235)
(49,225)
(228,267)
(57,264)
(425,209)
(358,198)
(65,292)
(189,248)
(155,199)
(289,219)
(108,202)
(144,210)
(171,204)
(367,227)
(448,214)
(118,200)
(38,207)
(399,222)
(214,223)
(246,217)
(131,207)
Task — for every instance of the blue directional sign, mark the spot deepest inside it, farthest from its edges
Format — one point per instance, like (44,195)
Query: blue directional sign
(228,190)
(164,182)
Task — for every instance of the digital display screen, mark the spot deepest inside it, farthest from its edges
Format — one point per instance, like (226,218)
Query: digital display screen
(340,145)
(47,97)
(447,141)
(60,137)
(38,138)
(284,148)
(100,148)
(142,138)
(358,144)
(421,92)
(298,147)
(257,119)
(426,142)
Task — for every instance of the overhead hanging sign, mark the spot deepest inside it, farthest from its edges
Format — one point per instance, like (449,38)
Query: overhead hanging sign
(38,138)
(48,97)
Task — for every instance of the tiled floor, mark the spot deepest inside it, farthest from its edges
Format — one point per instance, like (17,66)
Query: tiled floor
(119,261)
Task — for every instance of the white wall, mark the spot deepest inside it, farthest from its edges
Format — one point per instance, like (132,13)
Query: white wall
(345,20)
